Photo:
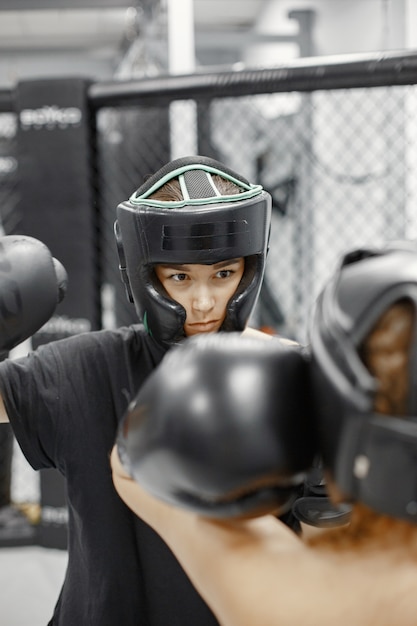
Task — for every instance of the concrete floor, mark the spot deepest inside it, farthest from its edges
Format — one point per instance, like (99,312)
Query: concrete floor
(30,576)
(30,581)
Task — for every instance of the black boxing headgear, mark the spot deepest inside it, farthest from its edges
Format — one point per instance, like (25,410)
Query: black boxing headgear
(372,457)
(203,228)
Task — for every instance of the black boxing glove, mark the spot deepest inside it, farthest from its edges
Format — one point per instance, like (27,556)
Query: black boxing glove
(32,283)
(223,426)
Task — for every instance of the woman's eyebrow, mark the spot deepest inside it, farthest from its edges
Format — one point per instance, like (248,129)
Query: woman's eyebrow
(189,268)
(174,266)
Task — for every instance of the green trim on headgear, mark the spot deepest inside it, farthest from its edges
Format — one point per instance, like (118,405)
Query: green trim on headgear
(145,323)
(250,190)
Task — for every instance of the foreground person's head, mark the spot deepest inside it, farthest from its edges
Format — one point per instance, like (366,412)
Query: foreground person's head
(364,356)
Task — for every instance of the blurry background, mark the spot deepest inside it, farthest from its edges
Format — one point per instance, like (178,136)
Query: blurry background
(316,100)
(105,38)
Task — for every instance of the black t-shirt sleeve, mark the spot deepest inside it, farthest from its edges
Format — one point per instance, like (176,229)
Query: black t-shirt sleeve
(30,387)
(50,394)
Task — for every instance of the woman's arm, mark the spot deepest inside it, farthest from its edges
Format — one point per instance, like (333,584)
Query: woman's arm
(3,414)
(244,570)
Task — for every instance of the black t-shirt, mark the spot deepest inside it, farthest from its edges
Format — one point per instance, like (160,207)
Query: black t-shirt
(65,401)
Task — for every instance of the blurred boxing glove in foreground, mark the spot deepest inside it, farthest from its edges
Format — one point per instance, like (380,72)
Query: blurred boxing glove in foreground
(223,426)
(32,283)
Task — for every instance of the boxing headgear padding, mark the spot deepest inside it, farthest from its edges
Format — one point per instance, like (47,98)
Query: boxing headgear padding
(32,283)
(222,426)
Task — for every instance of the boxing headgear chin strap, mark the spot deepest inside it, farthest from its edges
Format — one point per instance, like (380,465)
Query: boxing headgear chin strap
(371,457)
(204,227)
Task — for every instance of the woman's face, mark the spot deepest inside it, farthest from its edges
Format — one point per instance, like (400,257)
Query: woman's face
(203,291)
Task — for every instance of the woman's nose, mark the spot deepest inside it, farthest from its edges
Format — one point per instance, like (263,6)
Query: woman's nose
(203,300)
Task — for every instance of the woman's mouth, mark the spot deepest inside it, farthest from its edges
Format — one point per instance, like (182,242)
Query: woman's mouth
(203,327)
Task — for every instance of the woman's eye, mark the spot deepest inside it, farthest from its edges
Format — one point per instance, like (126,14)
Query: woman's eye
(179,277)
(224,273)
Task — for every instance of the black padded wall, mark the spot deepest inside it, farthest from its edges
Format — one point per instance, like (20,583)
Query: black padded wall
(55,144)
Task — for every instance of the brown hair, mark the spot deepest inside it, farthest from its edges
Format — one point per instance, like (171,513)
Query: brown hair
(171,191)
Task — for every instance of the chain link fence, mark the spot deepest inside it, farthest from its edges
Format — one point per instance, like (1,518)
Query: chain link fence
(340,164)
